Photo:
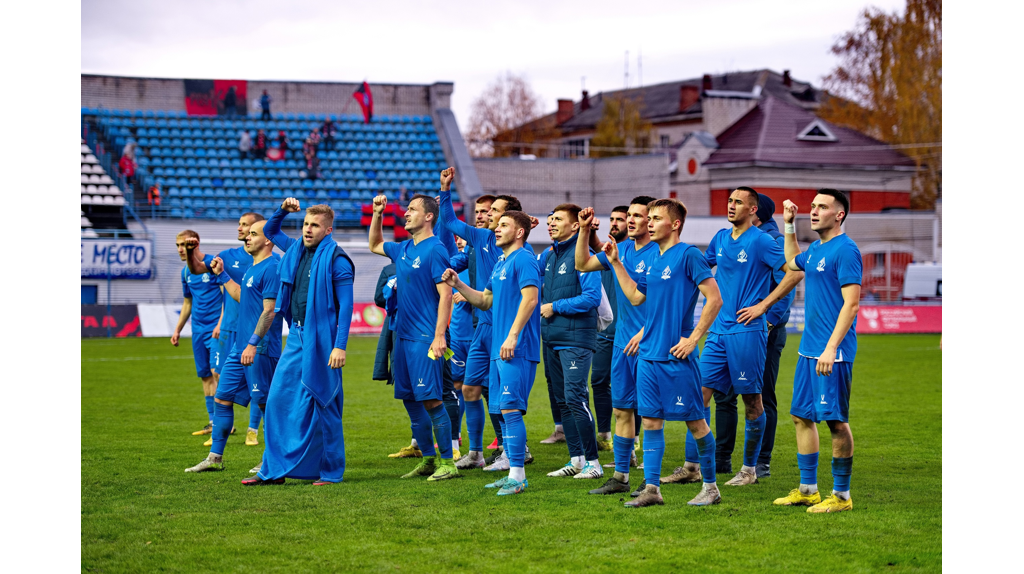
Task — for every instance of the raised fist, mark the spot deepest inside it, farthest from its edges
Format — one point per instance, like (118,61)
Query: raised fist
(379,203)
(534,222)
(291,205)
(586,217)
(447,175)
(191,243)
(450,278)
(789,210)
(217,265)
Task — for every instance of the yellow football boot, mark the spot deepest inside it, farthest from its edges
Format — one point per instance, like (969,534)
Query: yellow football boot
(797,498)
(251,438)
(832,504)
(407,452)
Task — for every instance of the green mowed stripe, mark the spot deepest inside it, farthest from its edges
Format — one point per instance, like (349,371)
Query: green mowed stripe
(140,511)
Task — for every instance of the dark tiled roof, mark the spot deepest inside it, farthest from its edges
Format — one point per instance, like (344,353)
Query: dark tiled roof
(768,135)
(661,101)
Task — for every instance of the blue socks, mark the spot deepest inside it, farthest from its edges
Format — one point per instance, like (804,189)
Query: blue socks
(223,419)
(462,410)
(808,464)
(841,470)
(623,449)
(255,416)
(475,424)
(753,433)
(654,451)
(706,449)
(442,425)
(496,423)
(501,435)
(209,407)
(691,444)
(515,438)
(421,427)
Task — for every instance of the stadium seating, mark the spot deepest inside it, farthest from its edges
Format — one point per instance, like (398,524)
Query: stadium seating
(197,159)
(101,199)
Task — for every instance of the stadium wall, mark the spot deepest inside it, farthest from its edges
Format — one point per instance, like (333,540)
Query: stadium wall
(123,92)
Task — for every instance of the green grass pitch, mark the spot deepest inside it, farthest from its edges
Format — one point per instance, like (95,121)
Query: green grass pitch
(141,513)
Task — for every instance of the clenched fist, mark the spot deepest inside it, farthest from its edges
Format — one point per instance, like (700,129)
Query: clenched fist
(447,176)
(789,210)
(586,217)
(379,203)
(291,205)
(217,265)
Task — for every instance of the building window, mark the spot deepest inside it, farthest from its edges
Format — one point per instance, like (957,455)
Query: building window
(574,148)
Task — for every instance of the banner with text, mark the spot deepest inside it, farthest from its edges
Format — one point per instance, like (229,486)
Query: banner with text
(121,258)
(367,318)
(121,321)
(158,320)
(910,319)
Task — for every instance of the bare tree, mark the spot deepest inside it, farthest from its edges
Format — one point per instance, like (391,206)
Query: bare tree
(503,108)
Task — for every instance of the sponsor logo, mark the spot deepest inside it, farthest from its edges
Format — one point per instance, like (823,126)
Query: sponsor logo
(719,254)
(254,389)
(821,264)
(421,383)
(667,273)
(743,376)
(486,250)
(679,402)
(235,265)
(573,363)
(561,269)
(505,392)
(392,282)
(416,263)
(823,400)
(742,257)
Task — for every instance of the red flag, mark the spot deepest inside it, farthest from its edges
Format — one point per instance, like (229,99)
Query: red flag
(365,99)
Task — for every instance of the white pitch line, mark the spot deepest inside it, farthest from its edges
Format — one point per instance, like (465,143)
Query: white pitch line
(122,359)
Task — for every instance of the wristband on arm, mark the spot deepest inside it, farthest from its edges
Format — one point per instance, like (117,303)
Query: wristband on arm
(254,340)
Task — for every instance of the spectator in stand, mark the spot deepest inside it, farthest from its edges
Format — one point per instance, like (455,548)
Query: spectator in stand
(127,167)
(230,103)
(129,150)
(327,131)
(260,149)
(312,166)
(244,144)
(265,105)
(153,195)
(282,142)
(314,139)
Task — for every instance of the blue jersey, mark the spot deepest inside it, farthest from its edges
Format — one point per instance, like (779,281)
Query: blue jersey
(670,285)
(509,278)
(828,267)
(744,276)
(630,318)
(236,263)
(461,326)
(204,290)
(419,270)
(260,282)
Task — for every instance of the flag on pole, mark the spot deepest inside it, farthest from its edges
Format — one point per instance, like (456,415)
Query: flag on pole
(365,99)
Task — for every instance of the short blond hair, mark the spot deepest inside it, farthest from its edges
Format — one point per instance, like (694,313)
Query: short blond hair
(322,209)
(189,234)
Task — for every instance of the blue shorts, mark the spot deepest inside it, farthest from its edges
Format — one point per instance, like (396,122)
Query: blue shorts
(669,390)
(821,398)
(478,359)
(225,344)
(734,362)
(458,360)
(417,377)
(201,353)
(623,380)
(240,384)
(514,380)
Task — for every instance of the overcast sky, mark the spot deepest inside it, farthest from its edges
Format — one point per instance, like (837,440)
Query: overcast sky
(554,44)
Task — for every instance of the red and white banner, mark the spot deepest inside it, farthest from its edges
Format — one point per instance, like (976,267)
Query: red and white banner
(910,319)
(367,318)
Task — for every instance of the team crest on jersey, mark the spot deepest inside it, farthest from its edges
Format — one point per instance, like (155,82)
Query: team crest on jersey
(502,276)
(742,257)
(667,273)
(206,277)
(416,263)
(821,264)
(249,282)
(640,267)
(679,401)
(561,269)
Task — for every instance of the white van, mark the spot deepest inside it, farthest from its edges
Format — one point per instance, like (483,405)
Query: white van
(923,281)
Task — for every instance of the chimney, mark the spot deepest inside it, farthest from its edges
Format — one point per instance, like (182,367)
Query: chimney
(564,112)
(786,79)
(585,102)
(688,95)
(706,83)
